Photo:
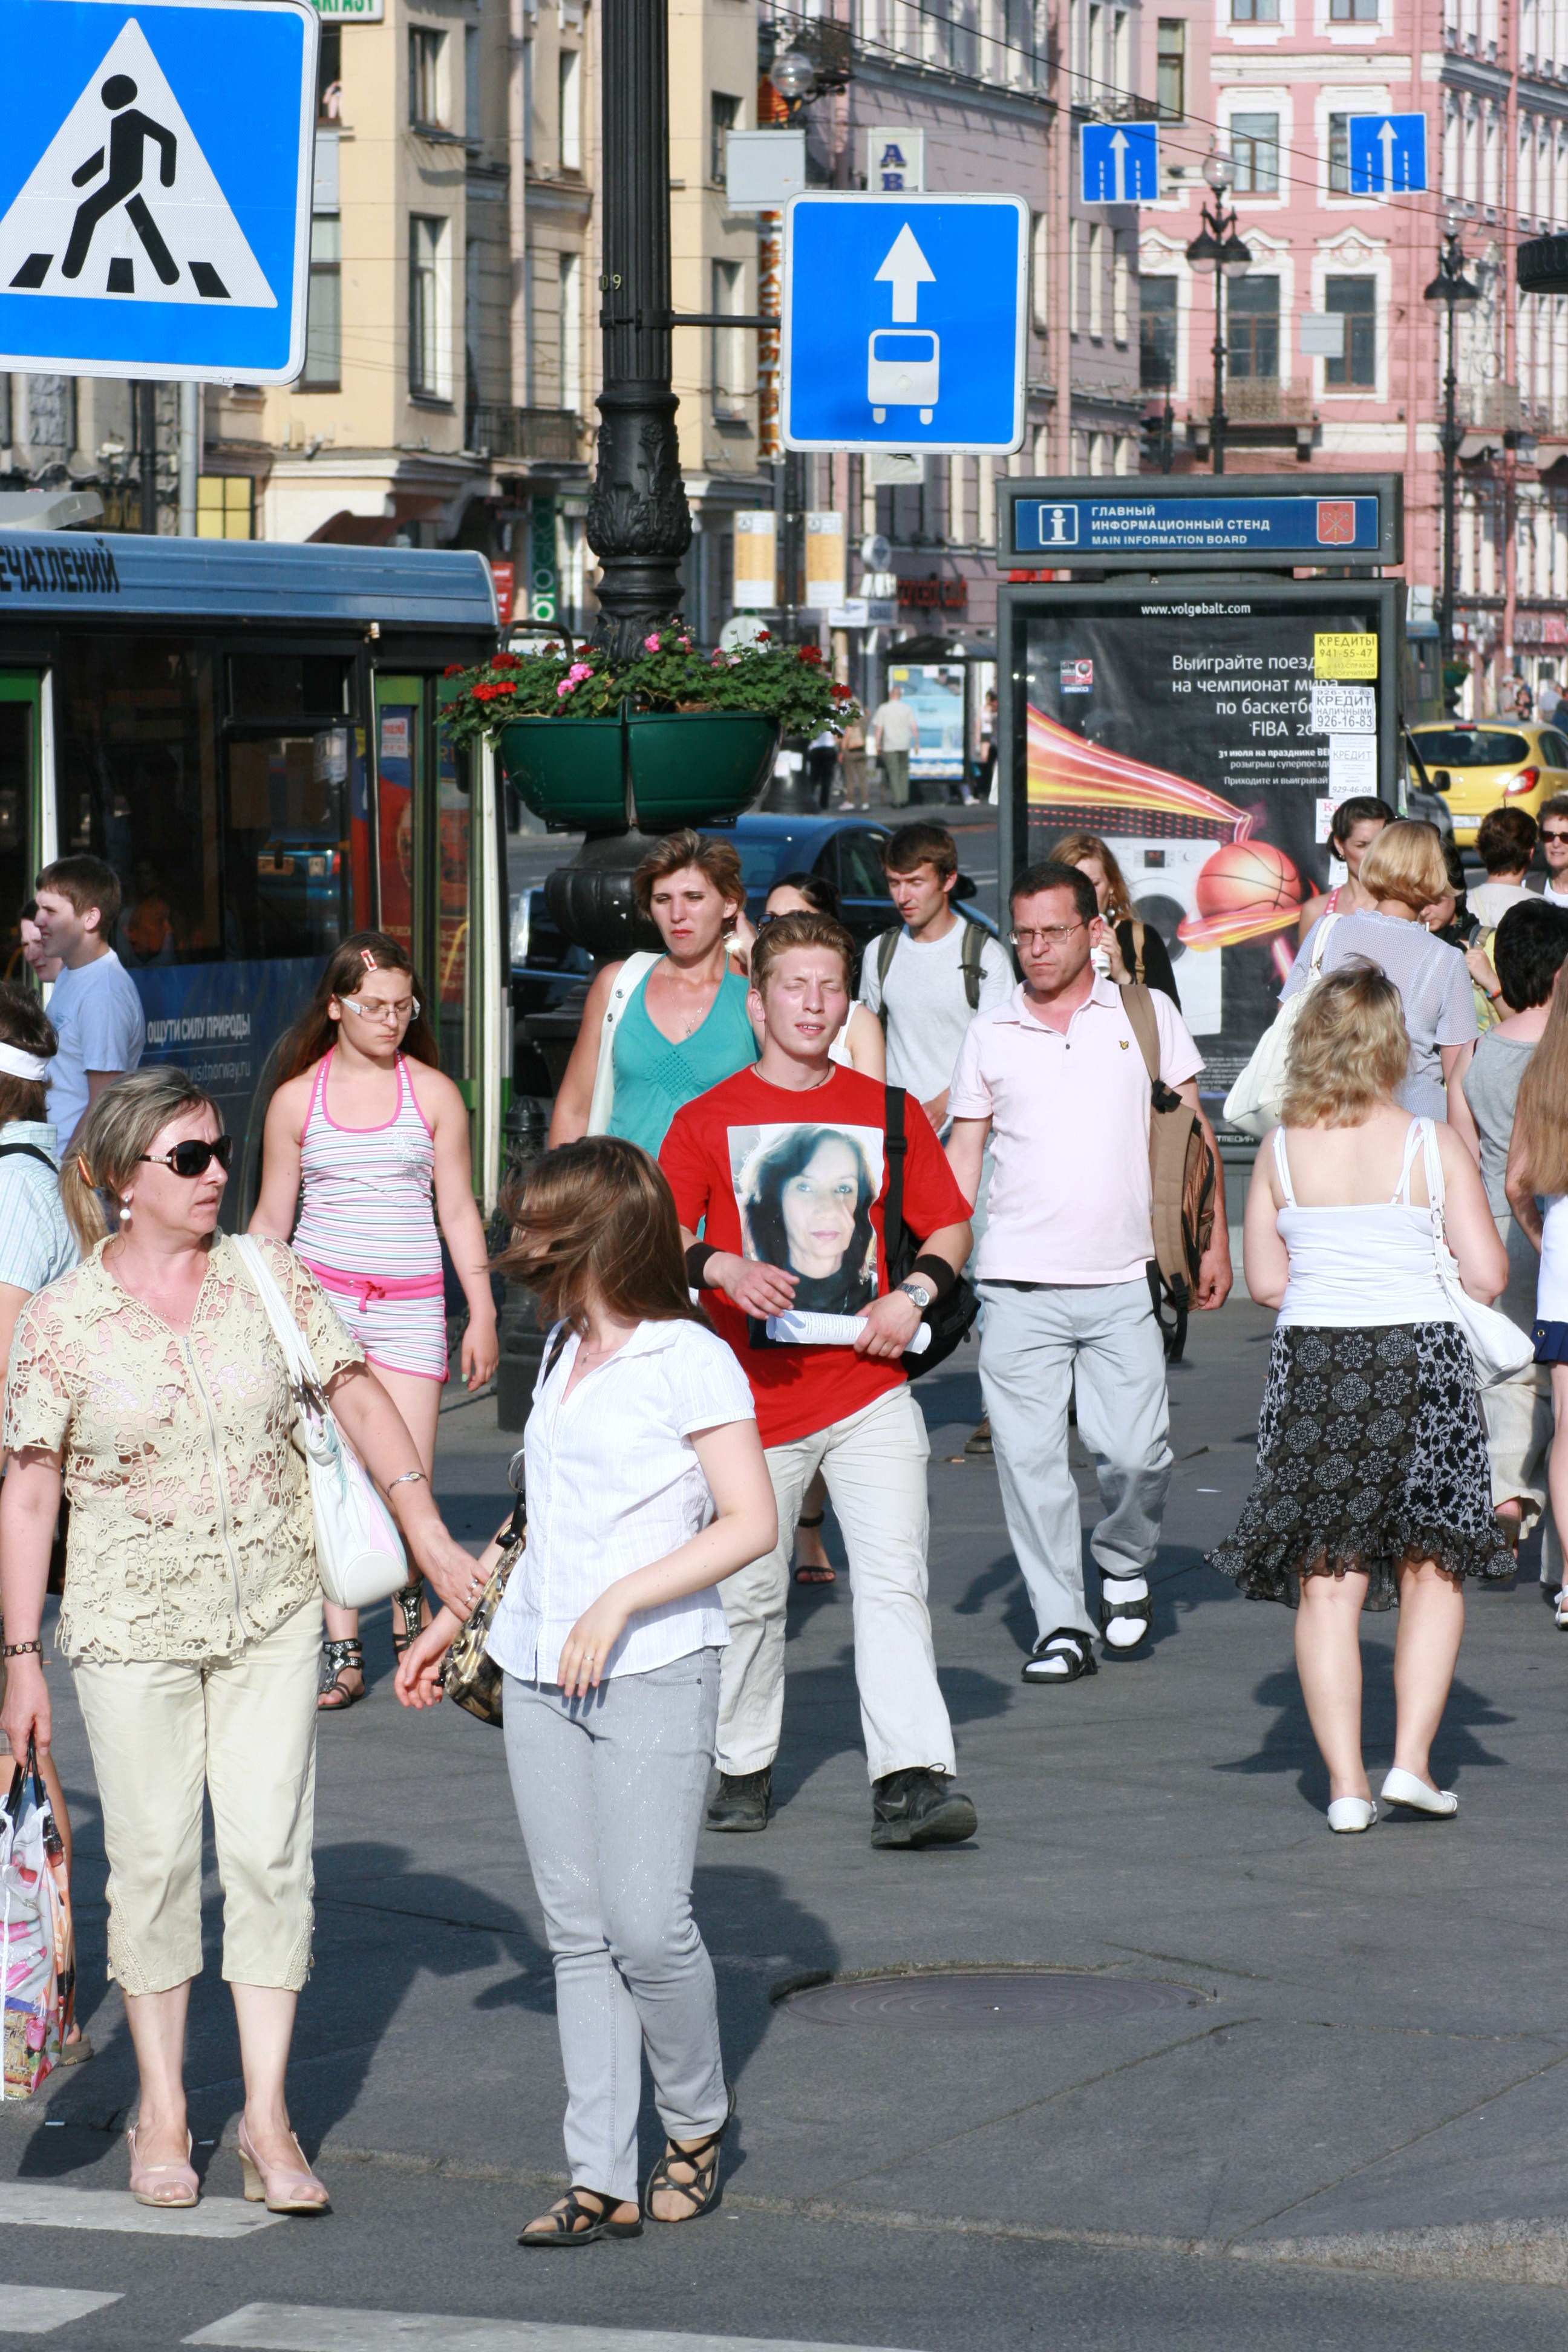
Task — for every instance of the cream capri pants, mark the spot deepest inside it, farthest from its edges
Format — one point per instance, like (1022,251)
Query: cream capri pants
(1518,1416)
(242,1729)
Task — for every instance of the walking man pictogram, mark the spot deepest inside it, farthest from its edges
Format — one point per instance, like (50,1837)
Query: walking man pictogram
(127,136)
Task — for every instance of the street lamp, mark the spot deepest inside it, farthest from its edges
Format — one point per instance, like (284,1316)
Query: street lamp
(1453,289)
(794,76)
(1217,251)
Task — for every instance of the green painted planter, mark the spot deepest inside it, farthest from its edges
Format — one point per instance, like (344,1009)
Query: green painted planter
(656,770)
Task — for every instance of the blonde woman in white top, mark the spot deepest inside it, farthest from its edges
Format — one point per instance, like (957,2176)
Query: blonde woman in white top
(1372,1482)
(647,1486)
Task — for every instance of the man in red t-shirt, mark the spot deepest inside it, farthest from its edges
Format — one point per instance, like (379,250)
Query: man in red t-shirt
(786,1168)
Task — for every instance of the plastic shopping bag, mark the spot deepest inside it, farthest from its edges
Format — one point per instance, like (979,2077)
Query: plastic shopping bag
(37,1949)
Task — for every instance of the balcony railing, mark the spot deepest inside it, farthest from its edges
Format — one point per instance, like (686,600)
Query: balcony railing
(1260,400)
(1491,408)
(553,435)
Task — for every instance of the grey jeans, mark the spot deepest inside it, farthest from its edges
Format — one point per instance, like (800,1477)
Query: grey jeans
(1040,1342)
(609,1792)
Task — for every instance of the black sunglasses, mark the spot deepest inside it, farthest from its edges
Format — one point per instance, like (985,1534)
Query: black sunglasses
(194,1159)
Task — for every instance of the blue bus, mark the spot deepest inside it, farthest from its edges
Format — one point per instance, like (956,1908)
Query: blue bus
(250,734)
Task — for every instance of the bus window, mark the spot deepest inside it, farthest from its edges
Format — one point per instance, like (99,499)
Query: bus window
(18,739)
(453,947)
(288,843)
(398,749)
(288,685)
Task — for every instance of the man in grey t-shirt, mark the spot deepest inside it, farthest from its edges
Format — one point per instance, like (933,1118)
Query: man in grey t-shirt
(926,1000)
(95,1007)
(895,733)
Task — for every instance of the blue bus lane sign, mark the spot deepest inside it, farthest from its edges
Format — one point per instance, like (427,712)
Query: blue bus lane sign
(904,322)
(1120,163)
(155,176)
(1387,154)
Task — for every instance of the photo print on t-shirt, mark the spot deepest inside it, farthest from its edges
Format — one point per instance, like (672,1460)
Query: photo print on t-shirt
(805,1190)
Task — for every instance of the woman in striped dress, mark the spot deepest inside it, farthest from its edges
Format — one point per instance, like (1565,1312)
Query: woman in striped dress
(368,1143)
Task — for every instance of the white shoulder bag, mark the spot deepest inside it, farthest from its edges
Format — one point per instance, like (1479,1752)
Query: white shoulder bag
(635,969)
(1499,1347)
(1254,1101)
(359,1553)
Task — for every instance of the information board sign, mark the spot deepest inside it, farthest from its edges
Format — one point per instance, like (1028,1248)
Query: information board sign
(1203,525)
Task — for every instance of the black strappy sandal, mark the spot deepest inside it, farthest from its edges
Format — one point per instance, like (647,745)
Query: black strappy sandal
(1142,1611)
(569,2210)
(338,1658)
(815,1575)
(1069,1644)
(405,1603)
(701,2192)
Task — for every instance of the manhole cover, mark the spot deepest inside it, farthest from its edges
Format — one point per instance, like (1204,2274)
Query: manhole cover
(988,1996)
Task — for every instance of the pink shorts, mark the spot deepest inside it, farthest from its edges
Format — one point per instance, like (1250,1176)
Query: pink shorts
(400,1322)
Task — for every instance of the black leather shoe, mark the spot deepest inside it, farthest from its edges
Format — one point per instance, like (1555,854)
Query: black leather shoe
(920,1807)
(742,1800)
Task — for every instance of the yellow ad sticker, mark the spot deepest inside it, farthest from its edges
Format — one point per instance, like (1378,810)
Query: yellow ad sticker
(1350,653)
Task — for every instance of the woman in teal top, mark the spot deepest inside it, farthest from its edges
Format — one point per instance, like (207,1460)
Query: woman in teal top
(657,1030)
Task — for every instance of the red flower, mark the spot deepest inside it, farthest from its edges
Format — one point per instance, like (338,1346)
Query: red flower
(453,669)
(483,693)
(505,661)
(809,653)
(841,694)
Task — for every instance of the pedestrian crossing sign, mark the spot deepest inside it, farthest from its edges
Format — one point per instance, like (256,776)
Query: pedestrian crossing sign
(155,176)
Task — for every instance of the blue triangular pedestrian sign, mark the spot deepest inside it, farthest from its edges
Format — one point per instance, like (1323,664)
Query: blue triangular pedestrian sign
(123,249)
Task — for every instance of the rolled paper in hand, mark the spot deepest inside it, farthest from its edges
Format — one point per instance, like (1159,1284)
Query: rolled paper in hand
(833,1331)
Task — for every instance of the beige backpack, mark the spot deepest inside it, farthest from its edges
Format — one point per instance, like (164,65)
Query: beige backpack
(1182,1182)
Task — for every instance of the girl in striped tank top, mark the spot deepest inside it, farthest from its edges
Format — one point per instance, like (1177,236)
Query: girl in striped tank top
(368,1143)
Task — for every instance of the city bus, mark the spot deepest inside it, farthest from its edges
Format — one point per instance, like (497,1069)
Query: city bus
(250,735)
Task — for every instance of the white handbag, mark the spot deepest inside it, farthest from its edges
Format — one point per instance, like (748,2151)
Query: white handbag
(1499,1347)
(1254,1102)
(359,1553)
(635,968)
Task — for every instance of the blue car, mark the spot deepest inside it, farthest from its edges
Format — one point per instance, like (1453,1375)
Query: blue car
(550,976)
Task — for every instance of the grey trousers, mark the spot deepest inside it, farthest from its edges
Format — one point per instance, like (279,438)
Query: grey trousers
(896,768)
(609,1792)
(1038,1344)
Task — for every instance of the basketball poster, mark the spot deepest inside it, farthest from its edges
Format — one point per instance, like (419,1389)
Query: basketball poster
(1198,752)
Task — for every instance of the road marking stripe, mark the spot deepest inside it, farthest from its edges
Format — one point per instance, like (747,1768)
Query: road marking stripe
(41,2205)
(39,2310)
(317,2327)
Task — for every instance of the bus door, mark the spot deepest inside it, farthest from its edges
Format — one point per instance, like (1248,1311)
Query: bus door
(21,735)
(424,841)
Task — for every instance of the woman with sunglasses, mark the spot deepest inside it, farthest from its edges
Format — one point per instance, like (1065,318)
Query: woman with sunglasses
(148,1384)
(363,1128)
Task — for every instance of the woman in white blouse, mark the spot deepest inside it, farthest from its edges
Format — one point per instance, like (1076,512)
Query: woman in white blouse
(647,1486)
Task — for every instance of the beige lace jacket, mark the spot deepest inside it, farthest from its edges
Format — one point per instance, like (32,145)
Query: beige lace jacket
(190,1527)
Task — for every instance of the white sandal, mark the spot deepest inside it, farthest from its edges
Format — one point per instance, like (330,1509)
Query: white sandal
(1560,1613)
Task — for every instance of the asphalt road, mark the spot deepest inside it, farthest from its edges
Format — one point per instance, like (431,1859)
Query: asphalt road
(1288,2090)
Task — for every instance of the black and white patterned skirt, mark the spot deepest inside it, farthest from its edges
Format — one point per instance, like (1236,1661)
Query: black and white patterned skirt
(1371,1453)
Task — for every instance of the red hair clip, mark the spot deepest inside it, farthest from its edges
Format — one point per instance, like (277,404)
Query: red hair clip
(366,957)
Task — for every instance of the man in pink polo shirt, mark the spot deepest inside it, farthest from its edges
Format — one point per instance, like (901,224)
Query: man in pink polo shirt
(1056,1080)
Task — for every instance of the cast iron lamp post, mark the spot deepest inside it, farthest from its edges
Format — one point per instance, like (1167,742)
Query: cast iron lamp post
(1217,249)
(1455,290)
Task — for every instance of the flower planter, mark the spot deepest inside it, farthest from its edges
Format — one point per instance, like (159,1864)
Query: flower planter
(653,769)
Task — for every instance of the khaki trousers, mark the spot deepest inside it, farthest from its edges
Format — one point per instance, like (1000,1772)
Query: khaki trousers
(242,1730)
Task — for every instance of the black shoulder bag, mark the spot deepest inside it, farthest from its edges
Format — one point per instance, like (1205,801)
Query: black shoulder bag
(951,1317)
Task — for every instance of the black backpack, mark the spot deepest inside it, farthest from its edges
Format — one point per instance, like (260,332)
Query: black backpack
(969,962)
(951,1317)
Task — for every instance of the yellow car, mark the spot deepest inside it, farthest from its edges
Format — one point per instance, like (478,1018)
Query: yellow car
(1487,763)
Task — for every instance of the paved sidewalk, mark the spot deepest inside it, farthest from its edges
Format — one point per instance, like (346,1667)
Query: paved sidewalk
(1370,2075)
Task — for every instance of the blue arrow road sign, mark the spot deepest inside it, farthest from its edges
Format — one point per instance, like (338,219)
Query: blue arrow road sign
(156,168)
(1387,154)
(903,322)
(1120,163)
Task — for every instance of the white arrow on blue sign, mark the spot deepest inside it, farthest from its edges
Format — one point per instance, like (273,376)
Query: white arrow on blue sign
(155,173)
(904,322)
(1120,163)
(1387,154)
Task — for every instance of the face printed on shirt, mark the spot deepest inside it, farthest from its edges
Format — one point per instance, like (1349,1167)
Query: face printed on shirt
(804,1191)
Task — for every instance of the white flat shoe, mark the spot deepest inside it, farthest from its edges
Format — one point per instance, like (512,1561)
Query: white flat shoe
(1347,1814)
(1404,1789)
(1560,1613)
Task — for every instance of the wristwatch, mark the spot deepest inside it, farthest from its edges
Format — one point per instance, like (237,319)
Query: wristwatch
(917,1291)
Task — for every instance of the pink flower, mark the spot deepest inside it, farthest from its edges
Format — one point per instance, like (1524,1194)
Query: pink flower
(565,687)
(651,643)
(579,670)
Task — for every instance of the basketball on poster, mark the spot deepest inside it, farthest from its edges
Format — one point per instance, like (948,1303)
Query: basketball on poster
(1186,741)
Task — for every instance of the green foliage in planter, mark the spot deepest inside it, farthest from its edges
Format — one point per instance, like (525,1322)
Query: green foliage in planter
(788,685)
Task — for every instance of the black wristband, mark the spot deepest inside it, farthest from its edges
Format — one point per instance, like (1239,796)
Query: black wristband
(935,1272)
(697,1258)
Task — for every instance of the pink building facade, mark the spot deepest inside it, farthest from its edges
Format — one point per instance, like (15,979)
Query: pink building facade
(1272,83)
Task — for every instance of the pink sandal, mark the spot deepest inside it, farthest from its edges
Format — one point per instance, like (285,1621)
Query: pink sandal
(282,2190)
(162,2184)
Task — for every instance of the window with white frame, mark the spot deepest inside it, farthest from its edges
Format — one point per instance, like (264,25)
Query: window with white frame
(1338,154)
(1120,281)
(1354,299)
(1252,328)
(1171,69)
(473,61)
(1040,271)
(427,103)
(1353,11)
(1255,143)
(429,309)
(1255,12)
(571,331)
(1096,280)
(729,344)
(1157,326)
(1075,247)
(569,68)
(323,315)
